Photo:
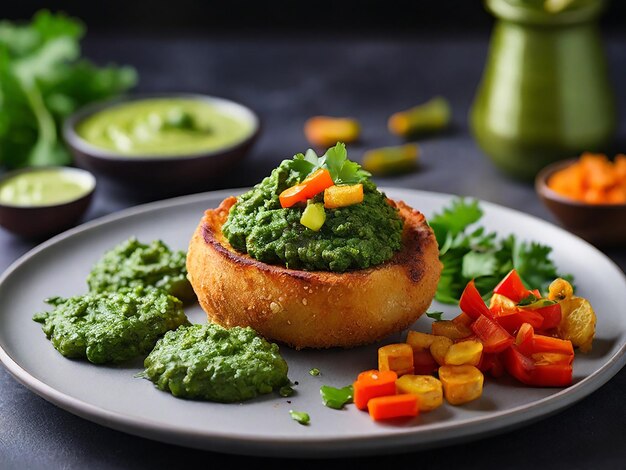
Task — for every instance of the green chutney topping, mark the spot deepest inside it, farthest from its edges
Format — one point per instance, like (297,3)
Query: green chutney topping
(213,363)
(111,326)
(352,237)
(164,126)
(44,187)
(132,263)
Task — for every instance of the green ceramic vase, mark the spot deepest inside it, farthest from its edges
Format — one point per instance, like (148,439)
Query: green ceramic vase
(545,92)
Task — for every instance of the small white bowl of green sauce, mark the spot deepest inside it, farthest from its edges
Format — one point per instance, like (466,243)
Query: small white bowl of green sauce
(173,142)
(39,202)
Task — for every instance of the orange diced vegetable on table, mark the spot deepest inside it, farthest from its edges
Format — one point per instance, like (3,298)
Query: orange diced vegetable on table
(394,406)
(397,357)
(371,384)
(461,384)
(343,196)
(324,131)
(426,387)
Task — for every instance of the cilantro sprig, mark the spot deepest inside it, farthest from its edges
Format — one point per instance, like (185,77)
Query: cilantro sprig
(43,79)
(335,160)
(468,252)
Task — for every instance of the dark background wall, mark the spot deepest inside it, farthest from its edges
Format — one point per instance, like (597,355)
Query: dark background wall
(192,17)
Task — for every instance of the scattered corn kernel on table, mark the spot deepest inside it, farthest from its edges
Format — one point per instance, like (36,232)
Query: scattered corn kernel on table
(310,78)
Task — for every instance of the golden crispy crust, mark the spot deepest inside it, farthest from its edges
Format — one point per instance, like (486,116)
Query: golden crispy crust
(314,309)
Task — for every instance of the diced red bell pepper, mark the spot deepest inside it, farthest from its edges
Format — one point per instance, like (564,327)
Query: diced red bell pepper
(495,339)
(424,363)
(551,316)
(543,343)
(524,339)
(551,375)
(511,286)
(518,365)
(472,303)
(512,320)
(538,374)
(491,363)
(528,342)
(545,358)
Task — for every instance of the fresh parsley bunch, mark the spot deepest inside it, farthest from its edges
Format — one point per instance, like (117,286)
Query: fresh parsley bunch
(470,252)
(42,81)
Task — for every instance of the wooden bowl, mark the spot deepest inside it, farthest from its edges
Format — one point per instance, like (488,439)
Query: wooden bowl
(599,224)
(37,222)
(162,174)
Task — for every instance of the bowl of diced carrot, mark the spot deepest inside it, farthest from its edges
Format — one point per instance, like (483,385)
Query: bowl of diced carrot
(588,196)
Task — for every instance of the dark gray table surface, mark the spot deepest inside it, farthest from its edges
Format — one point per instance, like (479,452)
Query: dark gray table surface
(286,80)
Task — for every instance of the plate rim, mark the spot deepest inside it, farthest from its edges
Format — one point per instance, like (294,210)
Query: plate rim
(313,446)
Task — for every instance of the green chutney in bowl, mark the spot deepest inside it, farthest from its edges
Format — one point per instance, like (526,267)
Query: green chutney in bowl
(164,127)
(164,144)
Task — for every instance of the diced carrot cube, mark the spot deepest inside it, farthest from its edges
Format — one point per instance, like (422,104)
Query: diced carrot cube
(394,406)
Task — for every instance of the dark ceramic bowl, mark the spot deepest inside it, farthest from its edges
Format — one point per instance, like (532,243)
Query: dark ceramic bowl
(37,222)
(599,224)
(158,174)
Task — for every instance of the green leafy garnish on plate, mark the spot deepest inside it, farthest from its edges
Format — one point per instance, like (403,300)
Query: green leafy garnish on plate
(335,160)
(468,252)
(300,416)
(43,80)
(336,398)
(435,315)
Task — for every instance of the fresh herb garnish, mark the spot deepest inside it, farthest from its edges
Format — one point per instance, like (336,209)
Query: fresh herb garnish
(534,304)
(300,416)
(314,372)
(336,398)
(335,160)
(529,299)
(42,81)
(473,253)
(434,315)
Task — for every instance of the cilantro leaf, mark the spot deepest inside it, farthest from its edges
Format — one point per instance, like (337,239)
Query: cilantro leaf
(454,219)
(42,81)
(468,252)
(533,264)
(434,315)
(477,264)
(342,170)
(303,166)
(335,160)
(529,299)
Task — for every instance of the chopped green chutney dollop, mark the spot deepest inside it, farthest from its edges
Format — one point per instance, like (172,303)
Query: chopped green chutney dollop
(111,326)
(213,363)
(353,237)
(132,263)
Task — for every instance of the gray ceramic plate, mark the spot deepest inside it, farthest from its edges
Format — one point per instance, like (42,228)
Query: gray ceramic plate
(112,397)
